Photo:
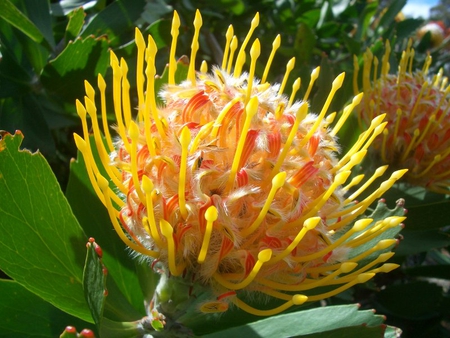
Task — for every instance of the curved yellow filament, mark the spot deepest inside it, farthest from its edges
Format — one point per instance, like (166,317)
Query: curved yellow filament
(277,183)
(83,148)
(348,278)
(430,122)
(411,144)
(150,101)
(359,208)
(345,267)
(255,51)
(185,140)
(263,257)
(378,173)
(275,45)
(295,87)
(309,224)
(126,107)
(233,47)
(104,186)
(117,99)
(194,47)
(313,207)
(211,215)
(289,66)
(147,187)
(295,300)
(359,225)
(140,44)
(250,110)
(388,223)
(204,67)
(347,111)
(359,144)
(112,171)
(358,280)
(355,181)
(355,159)
(102,87)
(202,133)
(167,232)
(240,60)
(381,245)
(229,36)
(337,83)
(92,169)
(221,116)
(299,116)
(173,47)
(133,132)
(314,75)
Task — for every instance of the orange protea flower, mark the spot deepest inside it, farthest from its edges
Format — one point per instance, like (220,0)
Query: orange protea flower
(232,187)
(416,107)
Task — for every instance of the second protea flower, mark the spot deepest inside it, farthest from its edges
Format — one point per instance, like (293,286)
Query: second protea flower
(416,105)
(232,188)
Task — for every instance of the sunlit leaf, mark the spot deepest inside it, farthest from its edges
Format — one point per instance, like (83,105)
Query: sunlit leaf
(41,239)
(116,20)
(16,18)
(81,60)
(331,321)
(76,21)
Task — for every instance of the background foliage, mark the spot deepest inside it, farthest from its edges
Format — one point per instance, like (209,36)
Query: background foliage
(48,210)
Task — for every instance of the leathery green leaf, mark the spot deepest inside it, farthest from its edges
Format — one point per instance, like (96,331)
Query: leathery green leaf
(42,242)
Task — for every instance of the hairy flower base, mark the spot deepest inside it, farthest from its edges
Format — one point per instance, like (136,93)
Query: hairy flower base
(233,187)
(416,108)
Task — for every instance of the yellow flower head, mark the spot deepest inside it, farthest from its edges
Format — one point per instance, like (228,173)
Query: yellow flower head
(233,185)
(416,107)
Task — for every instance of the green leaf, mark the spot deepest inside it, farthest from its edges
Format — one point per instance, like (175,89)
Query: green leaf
(318,322)
(424,207)
(29,55)
(75,24)
(365,19)
(26,113)
(95,221)
(40,237)
(420,241)
(305,41)
(38,11)
(16,18)
(97,294)
(388,17)
(81,60)
(407,27)
(414,300)
(117,21)
(26,315)
(113,329)
(154,10)
(94,281)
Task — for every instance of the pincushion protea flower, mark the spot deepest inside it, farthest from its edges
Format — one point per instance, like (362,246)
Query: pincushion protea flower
(231,188)
(416,108)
